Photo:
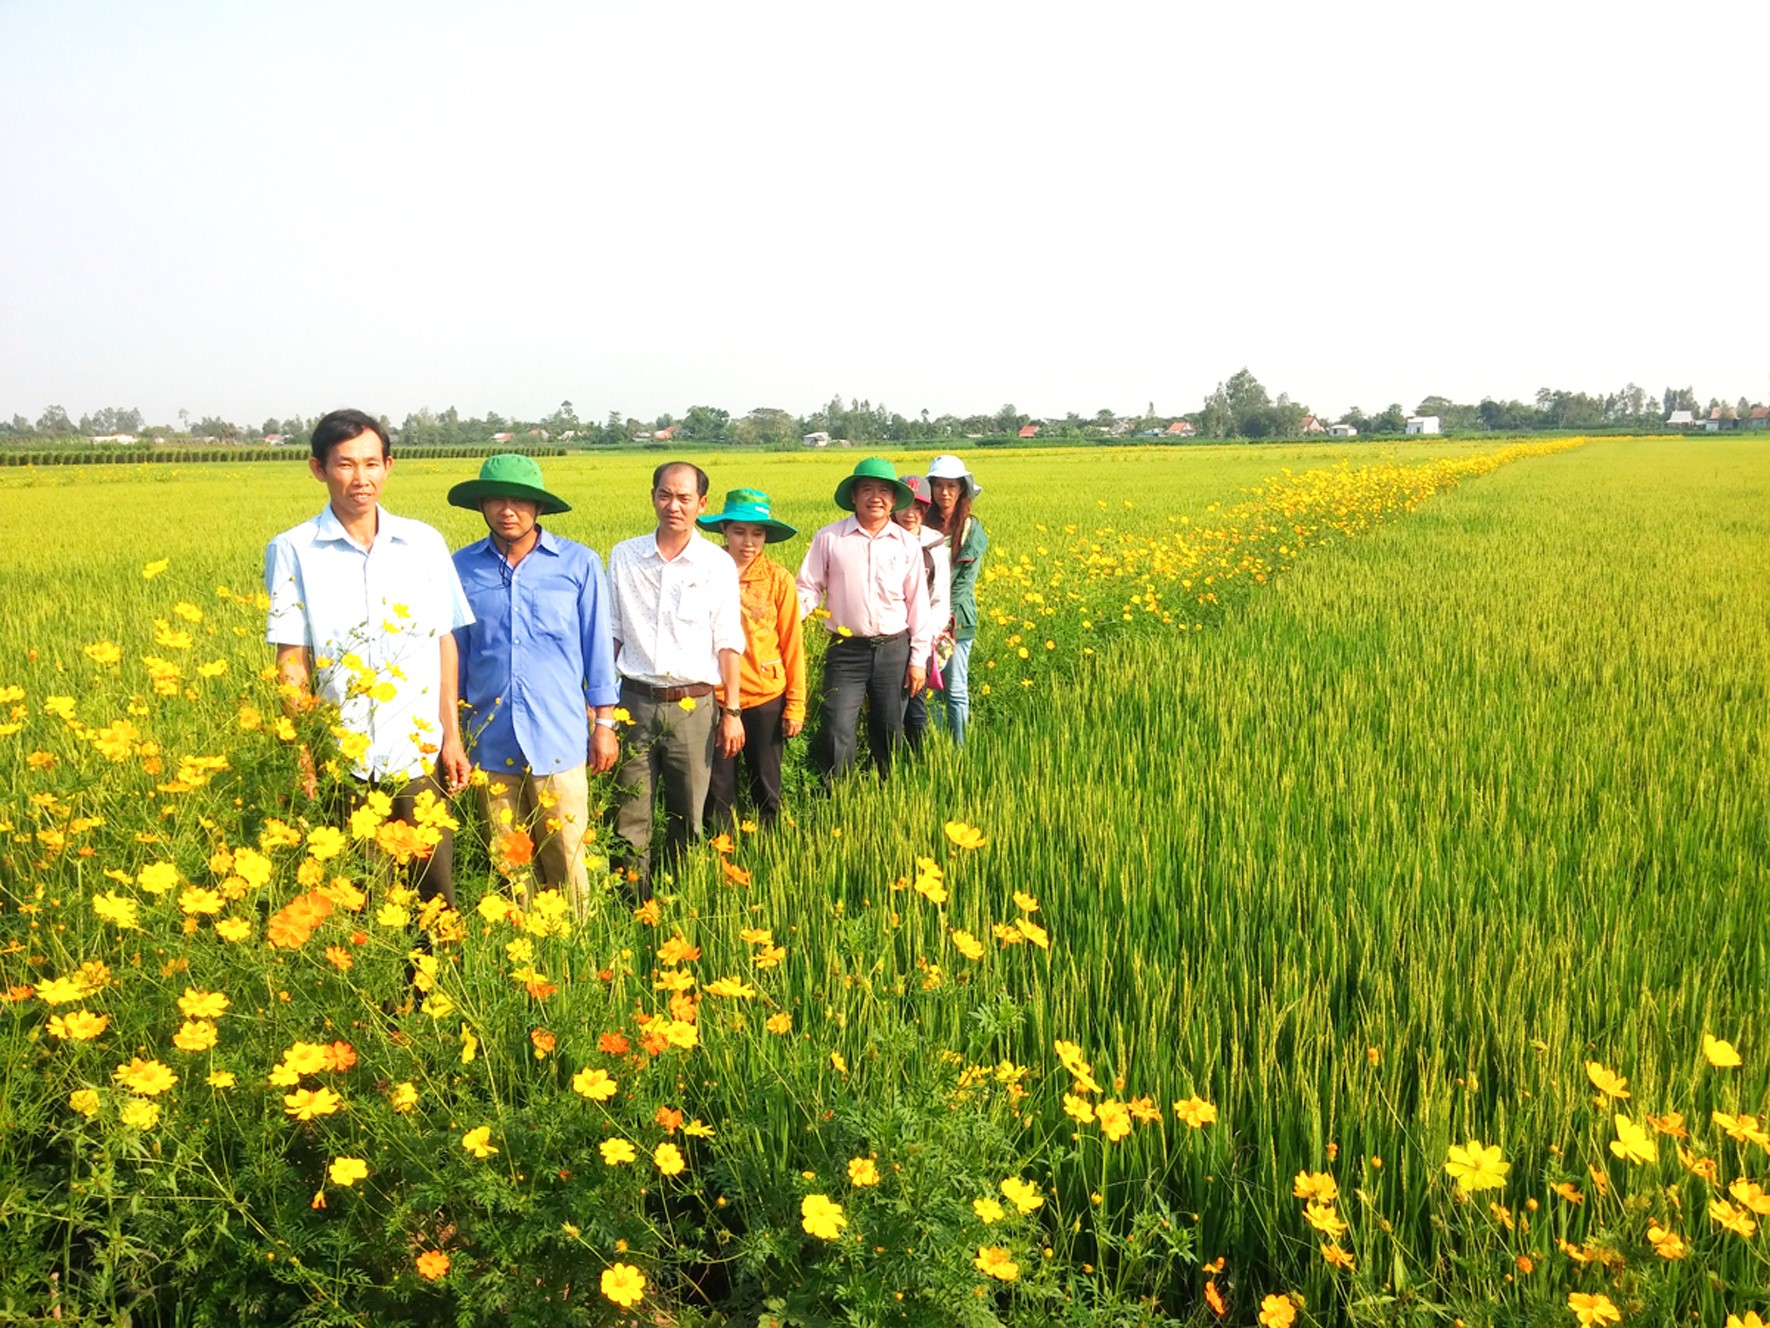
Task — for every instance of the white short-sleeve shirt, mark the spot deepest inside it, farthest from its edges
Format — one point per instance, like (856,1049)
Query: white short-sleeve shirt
(374,619)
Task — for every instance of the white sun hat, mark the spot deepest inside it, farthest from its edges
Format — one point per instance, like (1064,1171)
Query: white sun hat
(951,468)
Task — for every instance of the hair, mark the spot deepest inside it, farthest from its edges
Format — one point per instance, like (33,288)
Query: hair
(955,535)
(340,427)
(700,476)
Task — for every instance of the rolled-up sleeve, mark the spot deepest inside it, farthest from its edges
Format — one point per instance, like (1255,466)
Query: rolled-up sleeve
(728,608)
(915,598)
(812,577)
(601,685)
(287,624)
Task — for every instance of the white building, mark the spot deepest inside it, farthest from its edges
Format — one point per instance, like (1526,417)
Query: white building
(1682,419)
(1422,424)
(818,439)
(1342,431)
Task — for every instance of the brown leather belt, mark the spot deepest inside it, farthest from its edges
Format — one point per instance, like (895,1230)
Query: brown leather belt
(651,693)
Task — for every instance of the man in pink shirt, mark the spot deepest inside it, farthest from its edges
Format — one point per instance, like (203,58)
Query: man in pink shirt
(867,571)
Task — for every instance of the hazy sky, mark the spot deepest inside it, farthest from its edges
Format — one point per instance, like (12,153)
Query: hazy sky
(258,209)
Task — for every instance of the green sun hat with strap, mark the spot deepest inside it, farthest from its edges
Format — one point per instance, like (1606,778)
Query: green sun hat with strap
(874,468)
(749,506)
(508,475)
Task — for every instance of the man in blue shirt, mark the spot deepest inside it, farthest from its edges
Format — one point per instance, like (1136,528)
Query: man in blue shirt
(538,684)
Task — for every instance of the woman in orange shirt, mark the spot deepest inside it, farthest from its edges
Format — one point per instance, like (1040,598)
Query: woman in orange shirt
(771,675)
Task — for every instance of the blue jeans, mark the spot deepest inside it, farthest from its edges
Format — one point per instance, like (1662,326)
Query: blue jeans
(957,677)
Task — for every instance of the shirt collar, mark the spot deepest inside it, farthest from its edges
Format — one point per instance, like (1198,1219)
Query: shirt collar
(329,527)
(851,526)
(690,552)
(547,540)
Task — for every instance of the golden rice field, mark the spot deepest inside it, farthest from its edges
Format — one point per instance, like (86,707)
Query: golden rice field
(1349,908)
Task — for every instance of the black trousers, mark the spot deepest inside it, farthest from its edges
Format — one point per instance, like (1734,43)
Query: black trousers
(761,758)
(430,876)
(862,669)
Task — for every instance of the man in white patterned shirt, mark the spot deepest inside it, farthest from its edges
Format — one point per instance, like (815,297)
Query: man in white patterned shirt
(679,630)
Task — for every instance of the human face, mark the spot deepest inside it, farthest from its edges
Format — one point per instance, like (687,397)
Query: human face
(509,519)
(353,473)
(744,540)
(677,501)
(873,500)
(911,517)
(946,495)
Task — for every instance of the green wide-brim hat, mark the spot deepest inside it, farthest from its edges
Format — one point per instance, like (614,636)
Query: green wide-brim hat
(874,468)
(750,506)
(508,475)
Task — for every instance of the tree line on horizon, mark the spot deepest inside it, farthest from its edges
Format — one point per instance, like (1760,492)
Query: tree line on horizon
(1239,407)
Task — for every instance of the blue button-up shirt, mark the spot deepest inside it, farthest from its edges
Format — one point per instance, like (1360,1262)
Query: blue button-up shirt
(538,653)
(373,618)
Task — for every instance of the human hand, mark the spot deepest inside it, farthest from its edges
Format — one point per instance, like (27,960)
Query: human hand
(913,680)
(452,766)
(790,727)
(731,736)
(307,780)
(605,749)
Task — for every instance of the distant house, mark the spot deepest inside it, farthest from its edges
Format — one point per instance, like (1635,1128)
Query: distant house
(1029,431)
(1120,428)
(1181,429)
(1759,418)
(502,437)
(1422,424)
(1721,417)
(542,434)
(1681,419)
(818,439)
(1313,425)
(1342,431)
(274,439)
(115,438)
(666,434)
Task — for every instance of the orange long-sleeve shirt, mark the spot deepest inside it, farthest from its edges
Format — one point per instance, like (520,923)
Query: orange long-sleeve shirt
(774,641)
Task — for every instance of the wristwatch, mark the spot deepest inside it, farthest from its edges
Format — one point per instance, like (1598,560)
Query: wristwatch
(605,723)
(732,712)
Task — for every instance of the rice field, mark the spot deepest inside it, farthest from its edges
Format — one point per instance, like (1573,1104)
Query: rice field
(1349,909)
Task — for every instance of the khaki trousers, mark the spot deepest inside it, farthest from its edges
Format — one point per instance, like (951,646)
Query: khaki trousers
(555,810)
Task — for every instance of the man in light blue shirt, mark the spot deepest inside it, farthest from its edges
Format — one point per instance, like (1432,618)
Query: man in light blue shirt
(363,609)
(537,665)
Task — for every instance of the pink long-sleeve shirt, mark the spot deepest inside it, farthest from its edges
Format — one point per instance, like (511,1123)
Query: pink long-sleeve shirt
(872,584)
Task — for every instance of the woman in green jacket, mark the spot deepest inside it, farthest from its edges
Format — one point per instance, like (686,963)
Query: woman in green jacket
(953,489)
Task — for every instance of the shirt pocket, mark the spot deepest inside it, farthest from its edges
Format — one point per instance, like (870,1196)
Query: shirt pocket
(891,567)
(687,604)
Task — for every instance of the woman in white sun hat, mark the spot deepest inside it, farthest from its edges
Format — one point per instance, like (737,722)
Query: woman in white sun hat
(954,488)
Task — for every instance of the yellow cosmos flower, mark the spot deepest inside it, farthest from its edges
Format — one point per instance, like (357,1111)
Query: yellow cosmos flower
(199,1004)
(1721,1055)
(433,1265)
(964,836)
(198,899)
(145,1078)
(731,987)
(862,1172)
(1336,1257)
(988,1211)
(668,1159)
(325,842)
(347,1171)
(1114,1118)
(140,1114)
(63,991)
(1667,1244)
(1593,1310)
(968,945)
(403,1097)
(1196,1112)
(1023,1194)
(1607,1082)
(996,1261)
(1025,902)
(1751,1320)
(305,1104)
(623,1284)
(118,910)
(1078,1108)
(1632,1142)
(84,1101)
(1751,1195)
(478,1141)
(1729,1218)
(1324,1219)
(596,1084)
(233,930)
(222,1079)
(822,1217)
(1475,1167)
(196,1035)
(80,1026)
(1277,1312)
(150,570)
(157,878)
(618,1152)
(779,1023)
